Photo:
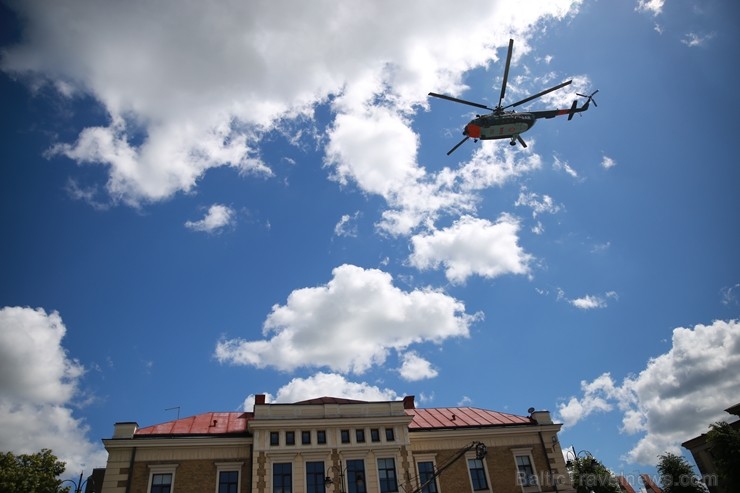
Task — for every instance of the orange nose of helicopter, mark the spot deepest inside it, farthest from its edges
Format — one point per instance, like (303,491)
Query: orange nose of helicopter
(472,131)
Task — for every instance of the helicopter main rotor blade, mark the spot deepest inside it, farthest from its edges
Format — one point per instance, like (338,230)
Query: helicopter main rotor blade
(456,100)
(506,72)
(539,94)
(457,145)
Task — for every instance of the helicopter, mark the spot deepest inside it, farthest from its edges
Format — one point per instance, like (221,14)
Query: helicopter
(502,124)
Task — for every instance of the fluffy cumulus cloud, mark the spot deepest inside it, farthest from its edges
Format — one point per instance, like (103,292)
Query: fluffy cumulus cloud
(324,384)
(38,383)
(189,87)
(588,301)
(349,324)
(472,246)
(415,367)
(216,219)
(675,397)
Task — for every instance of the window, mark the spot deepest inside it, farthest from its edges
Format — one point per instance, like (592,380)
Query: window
(282,477)
(290,438)
(389,437)
(161,483)
(360,436)
(228,482)
(227,474)
(477,474)
(345,436)
(315,477)
(375,435)
(526,476)
(161,478)
(274,438)
(387,475)
(356,476)
(306,437)
(426,475)
(321,437)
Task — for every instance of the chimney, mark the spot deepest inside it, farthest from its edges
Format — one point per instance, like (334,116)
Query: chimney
(408,402)
(259,399)
(541,417)
(125,429)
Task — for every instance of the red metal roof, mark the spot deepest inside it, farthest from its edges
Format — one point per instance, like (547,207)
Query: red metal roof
(330,400)
(462,417)
(625,485)
(650,486)
(201,424)
(231,423)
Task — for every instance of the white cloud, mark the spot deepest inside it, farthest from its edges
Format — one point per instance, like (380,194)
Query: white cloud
(472,246)
(324,385)
(692,39)
(589,301)
(558,165)
(730,294)
(218,217)
(347,225)
(676,397)
(607,162)
(189,87)
(653,7)
(415,367)
(38,384)
(349,324)
(539,205)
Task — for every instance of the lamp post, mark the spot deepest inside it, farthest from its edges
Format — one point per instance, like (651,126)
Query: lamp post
(78,485)
(339,478)
(583,454)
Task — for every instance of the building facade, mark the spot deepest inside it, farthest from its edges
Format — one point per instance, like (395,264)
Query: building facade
(332,445)
(701,451)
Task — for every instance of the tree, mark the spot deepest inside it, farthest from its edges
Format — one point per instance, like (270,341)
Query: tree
(724,443)
(36,473)
(677,475)
(588,474)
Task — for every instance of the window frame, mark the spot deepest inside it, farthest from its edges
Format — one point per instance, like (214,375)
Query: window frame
(375,435)
(384,471)
(290,438)
(229,467)
(276,442)
(351,476)
(390,434)
(283,475)
(344,434)
(433,487)
(304,440)
(526,488)
(155,469)
(321,477)
(360,435)
(483,475)
(321,437)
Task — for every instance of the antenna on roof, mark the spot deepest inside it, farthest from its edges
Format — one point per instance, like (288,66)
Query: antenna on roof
(176,407)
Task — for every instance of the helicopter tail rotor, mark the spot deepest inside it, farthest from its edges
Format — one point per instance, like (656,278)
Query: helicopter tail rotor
(590,98)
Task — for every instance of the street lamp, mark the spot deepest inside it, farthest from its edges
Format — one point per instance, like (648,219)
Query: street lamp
(359,478)
(78,485)
(583,454)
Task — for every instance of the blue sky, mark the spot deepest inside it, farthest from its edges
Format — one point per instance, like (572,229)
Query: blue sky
(201,203)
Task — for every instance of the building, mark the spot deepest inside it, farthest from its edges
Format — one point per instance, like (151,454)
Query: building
(332,445)
(702,454)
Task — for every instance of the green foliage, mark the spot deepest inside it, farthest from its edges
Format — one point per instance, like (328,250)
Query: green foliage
(588,474)
(30,473)
(724,443)
(677,475)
